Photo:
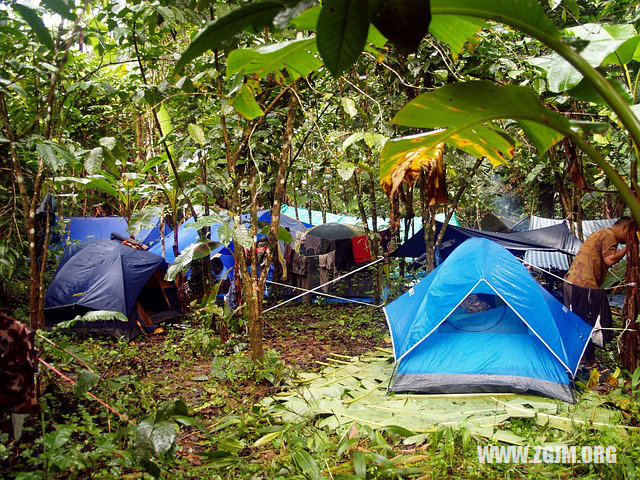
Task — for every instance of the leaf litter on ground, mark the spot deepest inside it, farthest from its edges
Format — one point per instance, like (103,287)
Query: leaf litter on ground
(354,389)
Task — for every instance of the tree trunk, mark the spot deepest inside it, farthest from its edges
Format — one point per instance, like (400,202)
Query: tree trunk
(577,197)
(630,339)
(427,224)
(456,200)
(375,247)
(372,238)
(257,282)
(546,200)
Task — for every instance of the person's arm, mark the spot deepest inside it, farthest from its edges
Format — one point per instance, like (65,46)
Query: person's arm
(615,257)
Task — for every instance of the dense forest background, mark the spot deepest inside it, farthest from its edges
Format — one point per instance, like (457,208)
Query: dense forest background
(180,110)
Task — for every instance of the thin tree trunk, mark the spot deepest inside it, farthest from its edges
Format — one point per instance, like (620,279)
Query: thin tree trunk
(372,238)
(427,224)
(377,287)
(630,338)
(578,212)
(43,267)
(456,200)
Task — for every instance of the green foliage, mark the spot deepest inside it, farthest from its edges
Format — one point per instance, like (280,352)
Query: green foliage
(605,44)
(8,262)
(245,103)
(85,382)
(197,133)
(255,15)
(343,26)
(239,366)
(464,109)
(525,15)
(455,30)
(296,56)
(55,156)
(156,435)
(193,252)
(92,316)
(35,22)
(143,219)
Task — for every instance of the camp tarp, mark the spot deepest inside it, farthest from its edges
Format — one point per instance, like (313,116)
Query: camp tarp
(525,341)
(493,223)
(86,229)
(556,260)
(102,275)
(556,238)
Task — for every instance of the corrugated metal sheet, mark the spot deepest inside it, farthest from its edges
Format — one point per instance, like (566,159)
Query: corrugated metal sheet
(553,259)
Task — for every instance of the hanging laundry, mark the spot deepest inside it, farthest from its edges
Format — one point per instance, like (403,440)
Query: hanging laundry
(298,240)
(361,249)
(299,266)
(327,269)
(288,256)
(344,254)
(312,245)
(327,246)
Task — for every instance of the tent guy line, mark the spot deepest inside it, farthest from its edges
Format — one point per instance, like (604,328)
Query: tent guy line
(325,294)
(630,284)
(315,289)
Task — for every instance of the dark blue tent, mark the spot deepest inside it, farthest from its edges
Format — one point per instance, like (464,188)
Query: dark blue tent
(86,229)
(108,275)
(480,323)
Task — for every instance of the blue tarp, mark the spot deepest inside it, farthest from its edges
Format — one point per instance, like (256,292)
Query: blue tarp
(85,229)
(526,341)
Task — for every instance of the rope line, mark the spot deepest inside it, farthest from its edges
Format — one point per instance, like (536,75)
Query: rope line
(323,285)
(631,284)
(65,351)
(326,294)
(102,402)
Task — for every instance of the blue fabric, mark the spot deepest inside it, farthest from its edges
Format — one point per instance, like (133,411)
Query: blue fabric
(532,335)
(85,229)
(482,353)
(101,275)
(188,236)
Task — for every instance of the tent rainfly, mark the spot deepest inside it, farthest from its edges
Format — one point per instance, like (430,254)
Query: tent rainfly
(108,275)
(480,323)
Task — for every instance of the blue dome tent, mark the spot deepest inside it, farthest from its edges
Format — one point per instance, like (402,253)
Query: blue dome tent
(108,275)
(480,323)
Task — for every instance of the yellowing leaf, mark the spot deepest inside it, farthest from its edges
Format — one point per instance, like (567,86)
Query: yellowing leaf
(266,439)
(245,103)
(405,165)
